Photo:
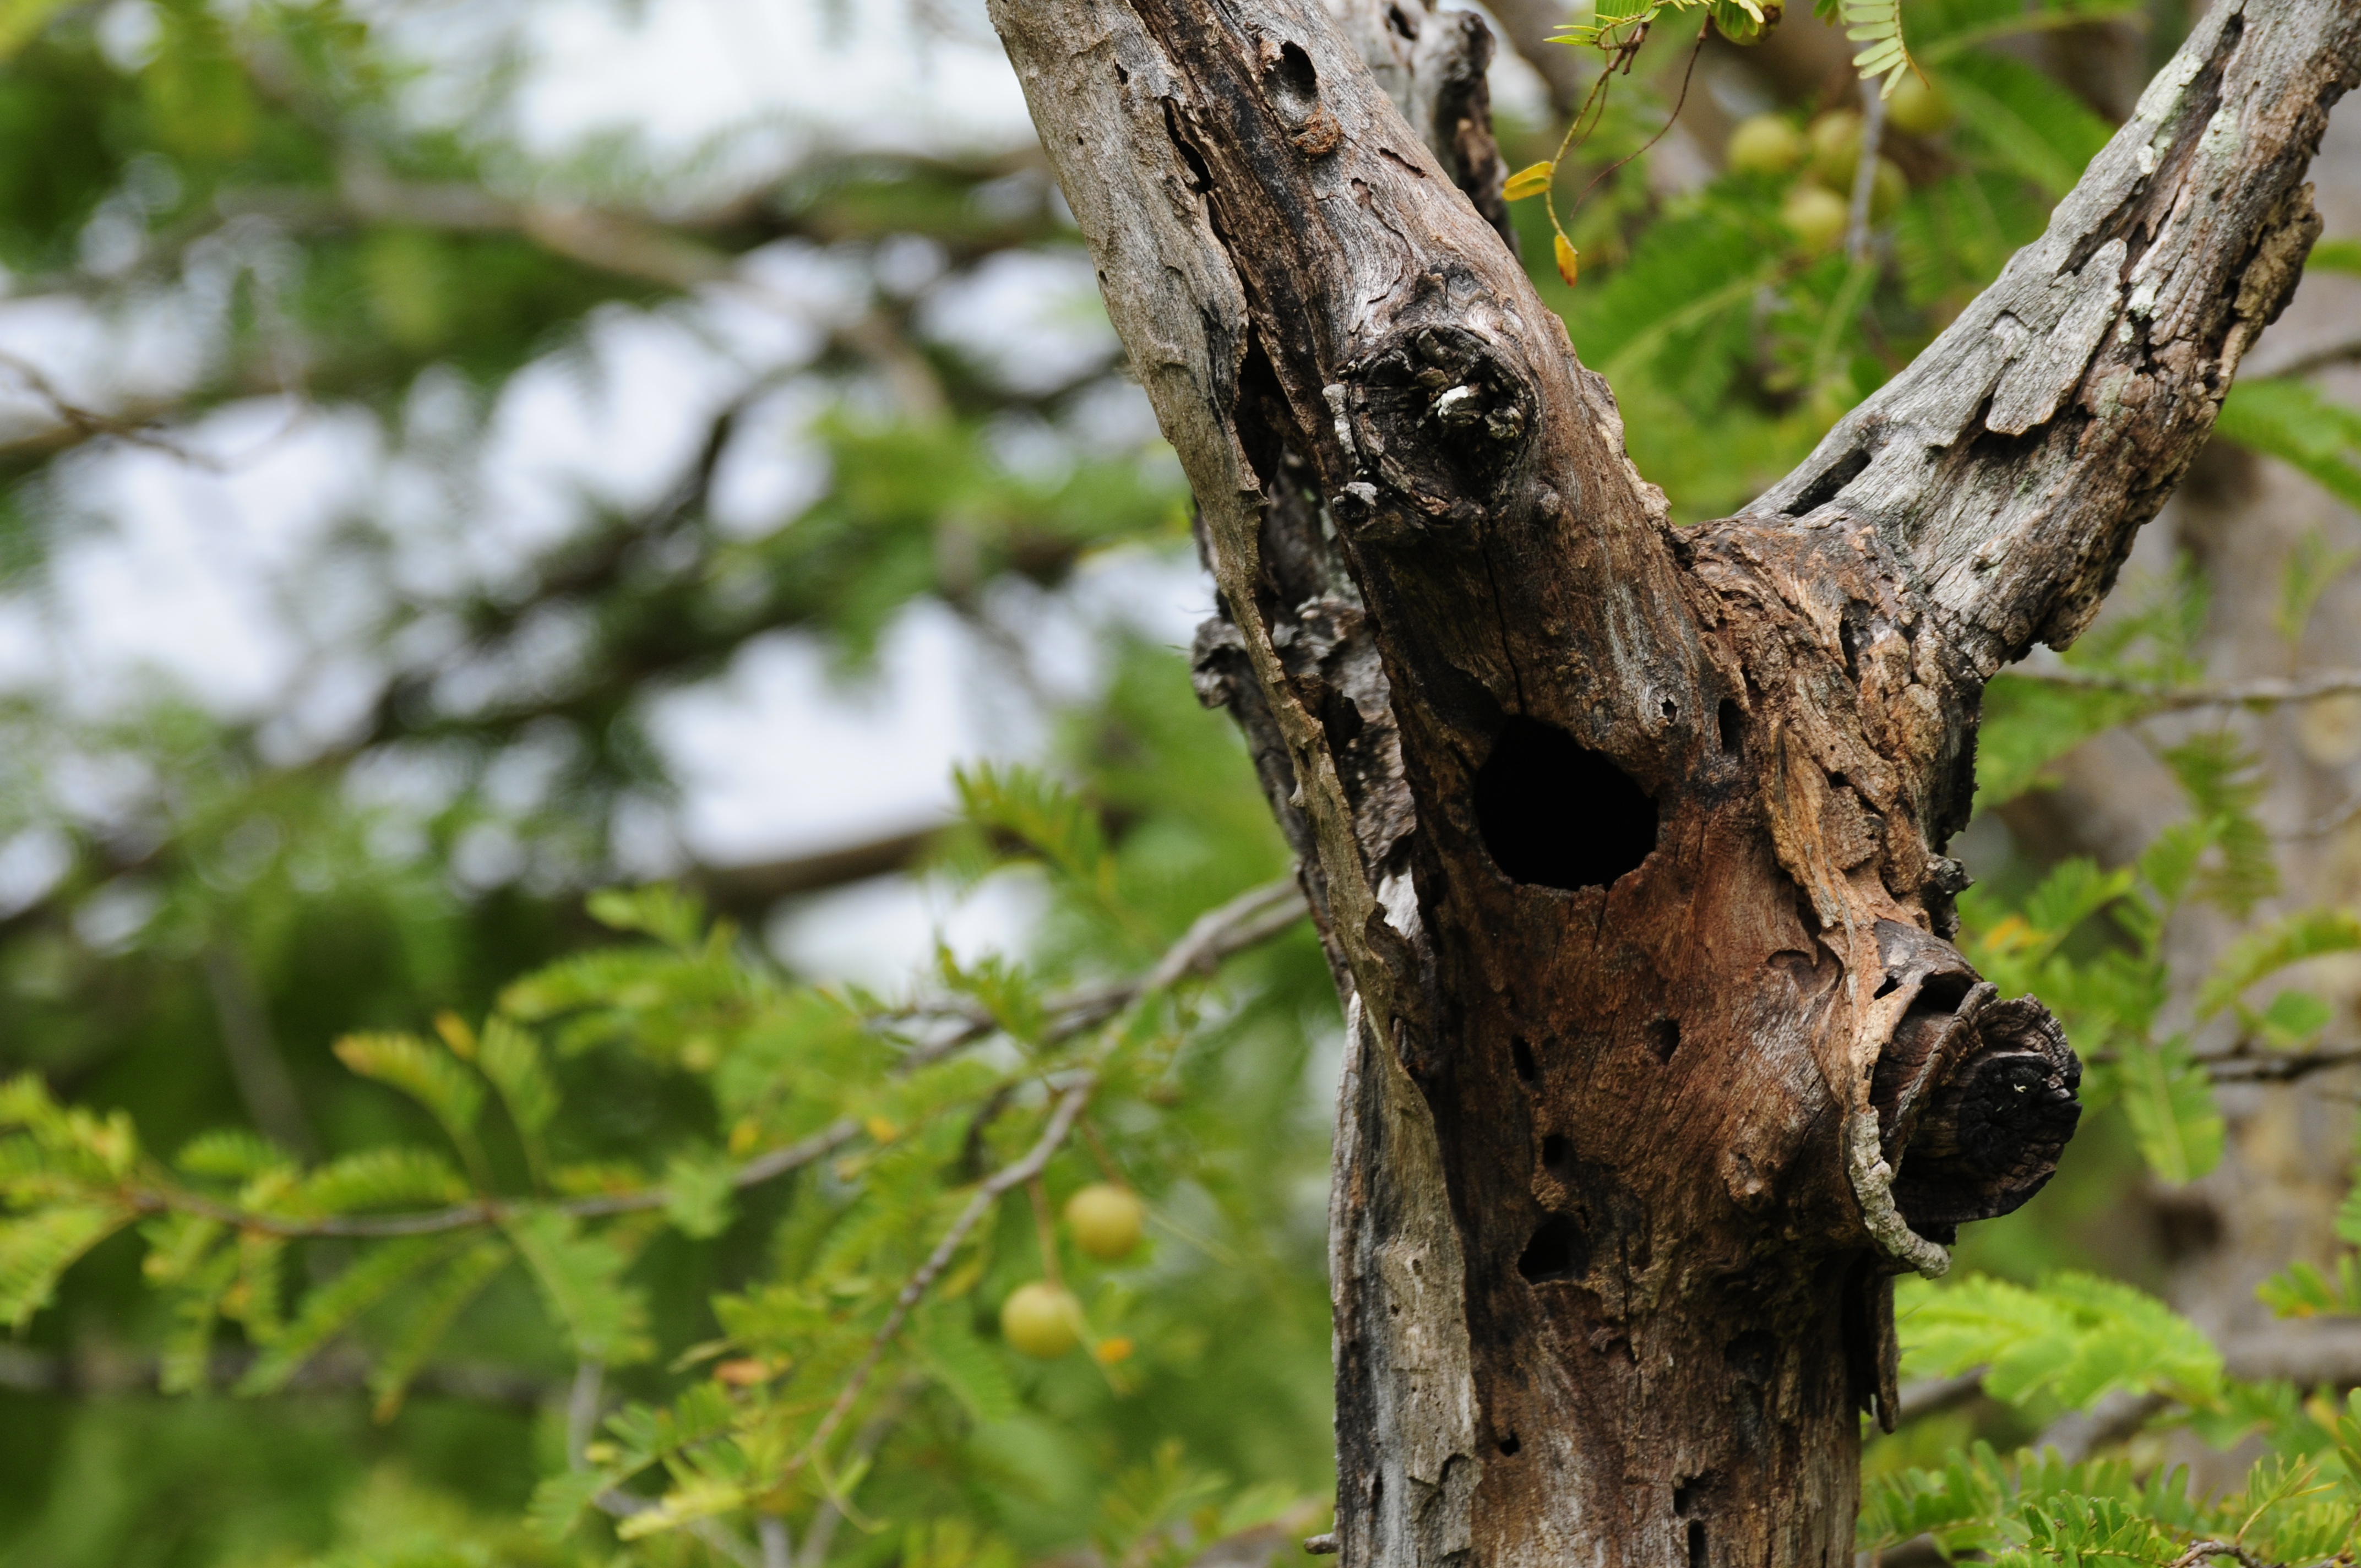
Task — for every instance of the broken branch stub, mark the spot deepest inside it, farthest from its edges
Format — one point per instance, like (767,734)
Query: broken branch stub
(1625,840)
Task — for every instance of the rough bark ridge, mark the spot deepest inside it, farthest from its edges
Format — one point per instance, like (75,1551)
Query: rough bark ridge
(1625,840)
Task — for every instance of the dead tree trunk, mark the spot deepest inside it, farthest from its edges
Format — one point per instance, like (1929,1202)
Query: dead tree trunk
(1626,840)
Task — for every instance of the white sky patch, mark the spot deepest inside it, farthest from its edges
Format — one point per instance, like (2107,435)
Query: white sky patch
(881,933)
(219,582)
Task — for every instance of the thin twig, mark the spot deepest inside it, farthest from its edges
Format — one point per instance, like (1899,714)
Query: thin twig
(2318,359)
(865,1444)
(1670,121)
(582,1405)
(1250,919)
(485,1211)
(1036,1159)
(90,422)
(1246,921)
(2222,694)
(1864,174)
(2242,1063)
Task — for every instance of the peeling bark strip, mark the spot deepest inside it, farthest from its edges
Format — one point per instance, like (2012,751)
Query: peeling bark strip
(1625,841)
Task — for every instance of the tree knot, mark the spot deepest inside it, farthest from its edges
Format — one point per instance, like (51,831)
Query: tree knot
(1975,1096)
(1438,420)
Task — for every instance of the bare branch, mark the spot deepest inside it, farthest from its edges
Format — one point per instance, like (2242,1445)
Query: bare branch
(2304,364)
(1864,174)
(2258,693)
(2013,461)
(335,1371)
(1247,921)
(1933,1396)
(1036,1159)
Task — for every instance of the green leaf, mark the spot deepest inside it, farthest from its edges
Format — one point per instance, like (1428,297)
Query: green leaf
(430,1319)
(2288,419)
(2312,569)
(2291,1021)
(401,1176)
(510,1057)
(2268,949)
(663,911)
(428,1074)
(698,1187)
(2300,1290)
(560,1500)
(329,1309)
(2074,1338)
(2336,256)
(1878,24)
(581,1278)
(2169,1102)
(37,1249)
(2027,122)
(2224,782)
(232,1154)
(2030,724)
(1029,806)
(973,1371)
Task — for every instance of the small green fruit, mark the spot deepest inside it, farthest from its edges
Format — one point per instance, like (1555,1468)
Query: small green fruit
(1917,108)
(1816,215)
(1041,1320)
(1107,1220)
(1765,144)
(1835,148)
(1889,187)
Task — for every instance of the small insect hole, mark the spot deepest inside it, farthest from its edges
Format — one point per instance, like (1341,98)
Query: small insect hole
(1672,709)
(1890,986)
(1850,640)
(1556,1152)
(1664,1038)
(1522,1054)
(1510,1445)
(1732,723)
(1696,1544)
(1558,1251)
(1684,1495)
(1296,71)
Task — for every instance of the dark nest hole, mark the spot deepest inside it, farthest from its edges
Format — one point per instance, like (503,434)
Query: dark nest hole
(1557,814)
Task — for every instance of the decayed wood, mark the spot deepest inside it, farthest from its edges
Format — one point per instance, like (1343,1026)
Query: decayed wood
(1626,840)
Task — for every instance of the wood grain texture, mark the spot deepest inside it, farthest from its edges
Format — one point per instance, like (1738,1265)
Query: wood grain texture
(1625,840)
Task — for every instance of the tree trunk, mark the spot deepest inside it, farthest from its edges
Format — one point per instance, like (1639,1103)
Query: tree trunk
(1626,840)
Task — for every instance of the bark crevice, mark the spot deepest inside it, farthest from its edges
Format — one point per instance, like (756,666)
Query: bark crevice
(1632,1135)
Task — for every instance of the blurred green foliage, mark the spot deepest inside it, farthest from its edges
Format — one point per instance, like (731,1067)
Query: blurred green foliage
(497,1220)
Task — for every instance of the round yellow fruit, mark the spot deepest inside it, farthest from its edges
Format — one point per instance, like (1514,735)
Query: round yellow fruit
(1107,1220)
(1835,148)
(1041,1320)
(1765,144)
(1917,108)
(1889,187)
(1816,215)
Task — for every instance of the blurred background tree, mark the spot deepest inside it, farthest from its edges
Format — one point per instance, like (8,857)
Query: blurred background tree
(457,458)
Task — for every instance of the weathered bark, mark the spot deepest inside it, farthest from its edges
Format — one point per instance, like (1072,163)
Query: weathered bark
(1626,840)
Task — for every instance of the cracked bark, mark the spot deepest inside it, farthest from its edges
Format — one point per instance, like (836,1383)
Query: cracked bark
(1626,841)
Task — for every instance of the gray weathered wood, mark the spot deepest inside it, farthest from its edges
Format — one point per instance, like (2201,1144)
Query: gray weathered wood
(1625,840)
